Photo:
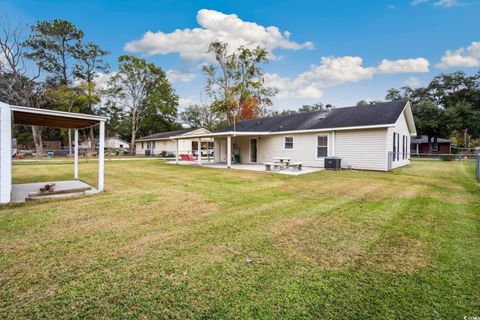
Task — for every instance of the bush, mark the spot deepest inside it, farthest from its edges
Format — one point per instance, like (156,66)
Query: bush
(447,157)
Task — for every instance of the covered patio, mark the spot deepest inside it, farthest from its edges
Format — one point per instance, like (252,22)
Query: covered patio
(10,115)
(247,167)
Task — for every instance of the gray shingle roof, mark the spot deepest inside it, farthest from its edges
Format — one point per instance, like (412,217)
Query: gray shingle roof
(166,135)
(366,115)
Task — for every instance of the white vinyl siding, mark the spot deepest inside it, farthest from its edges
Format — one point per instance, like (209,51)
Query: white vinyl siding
(362,149)
(402,142)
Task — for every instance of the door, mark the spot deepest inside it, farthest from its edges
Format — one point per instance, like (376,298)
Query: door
(253,150)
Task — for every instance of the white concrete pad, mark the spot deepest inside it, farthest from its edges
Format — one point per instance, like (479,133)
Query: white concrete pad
(20,191)
(250,167)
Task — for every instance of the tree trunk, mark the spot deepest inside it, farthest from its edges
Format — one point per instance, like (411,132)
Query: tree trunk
(37,138)
(132,145)
(92,145)
(132,141)
(465,138)
(430,147)
(69,142)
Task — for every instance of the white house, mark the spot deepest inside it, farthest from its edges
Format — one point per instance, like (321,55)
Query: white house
(110,143)
(158,143)
(369,137)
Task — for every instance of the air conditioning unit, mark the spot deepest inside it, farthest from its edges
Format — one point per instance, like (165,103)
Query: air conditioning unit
(333,163)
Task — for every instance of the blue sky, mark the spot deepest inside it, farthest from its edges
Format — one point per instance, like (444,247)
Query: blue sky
(337,52)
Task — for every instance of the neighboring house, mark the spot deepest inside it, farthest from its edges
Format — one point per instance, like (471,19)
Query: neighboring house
(110,143)
(419,145)
(368,137)
(116,143)
(162,142)
(54,144)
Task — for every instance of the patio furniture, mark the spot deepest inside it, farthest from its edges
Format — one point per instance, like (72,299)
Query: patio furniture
(282,160)
(297,165)
(269,165)
(188,157)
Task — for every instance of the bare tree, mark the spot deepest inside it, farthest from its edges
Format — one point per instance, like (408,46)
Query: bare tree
(18,85)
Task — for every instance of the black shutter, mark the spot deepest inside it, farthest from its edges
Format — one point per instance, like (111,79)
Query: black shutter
(394,146)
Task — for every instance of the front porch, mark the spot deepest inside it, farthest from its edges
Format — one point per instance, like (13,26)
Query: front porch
(248,167)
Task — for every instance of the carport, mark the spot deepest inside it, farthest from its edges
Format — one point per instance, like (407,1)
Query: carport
(10,115)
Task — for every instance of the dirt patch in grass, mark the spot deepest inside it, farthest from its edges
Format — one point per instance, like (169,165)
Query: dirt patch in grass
(338,243)
(399,253)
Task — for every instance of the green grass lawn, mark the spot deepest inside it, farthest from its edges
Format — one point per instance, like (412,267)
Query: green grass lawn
(183,242)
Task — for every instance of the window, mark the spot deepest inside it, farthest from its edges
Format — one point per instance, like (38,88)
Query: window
(404,147)
(288,143)
(142,144)
(435,147)
(322,146)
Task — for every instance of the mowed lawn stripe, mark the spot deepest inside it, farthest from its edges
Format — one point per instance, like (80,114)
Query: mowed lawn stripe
(182,242)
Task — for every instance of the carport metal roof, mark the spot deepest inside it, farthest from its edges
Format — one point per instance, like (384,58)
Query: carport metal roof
(53,118)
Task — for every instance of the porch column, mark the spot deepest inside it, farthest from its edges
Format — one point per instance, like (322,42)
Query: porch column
(5,153)
(229,152)
(176,151)
(101,155)
(199,151)
(75,157)
(417,148)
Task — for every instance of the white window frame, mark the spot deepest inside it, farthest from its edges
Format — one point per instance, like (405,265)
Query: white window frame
(316,148)
(284,142)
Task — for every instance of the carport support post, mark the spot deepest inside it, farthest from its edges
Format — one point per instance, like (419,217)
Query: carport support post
(5,153)
(176,151)
(75,157)
(229,152)
(101,155)
(199,151)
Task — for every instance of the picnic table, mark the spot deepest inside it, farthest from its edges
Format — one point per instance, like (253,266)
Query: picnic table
(282,163)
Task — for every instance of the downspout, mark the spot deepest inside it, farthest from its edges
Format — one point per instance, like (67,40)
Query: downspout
(333,143)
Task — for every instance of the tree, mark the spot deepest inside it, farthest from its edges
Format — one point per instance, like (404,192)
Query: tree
(54,46)
(313,107)
(464,118)
(236,79)
(457,94)
(18,86)
(142,90)
(91,61)
(200,116)
(430,121)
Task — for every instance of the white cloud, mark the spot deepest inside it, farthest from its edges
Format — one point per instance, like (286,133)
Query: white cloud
(413,82)
(417,2)
(469,57)
(101,80)
(404,65)
(337,70)
(187,101)
(192,44)
(4,63)
(333,71)
(178,76)
(446,3)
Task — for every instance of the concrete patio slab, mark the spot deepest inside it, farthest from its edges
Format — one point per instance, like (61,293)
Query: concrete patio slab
(248,167)
(20,191)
